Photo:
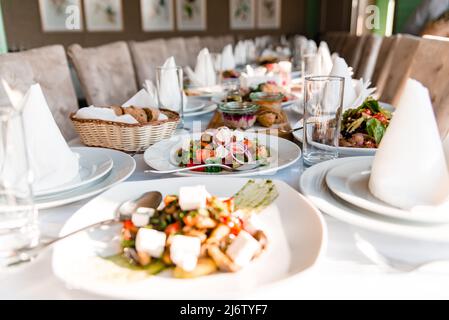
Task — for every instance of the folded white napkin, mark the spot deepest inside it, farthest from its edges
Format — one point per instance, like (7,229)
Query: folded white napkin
(251,51)
(325,58)
(143,99)
(340,69)
(204,74)
(105,114)
(311,47)
(227,59)
(252,77)
(170,93)
(410,169)
(363,90)
(50,159)
(240,53)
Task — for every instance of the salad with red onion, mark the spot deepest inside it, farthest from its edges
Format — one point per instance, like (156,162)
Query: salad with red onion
(222,146)
(365,126)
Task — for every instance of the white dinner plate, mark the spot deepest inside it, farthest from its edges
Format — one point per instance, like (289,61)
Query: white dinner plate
(313,186)
(219,100)
(210,107)
(195,105)
(345,151)
(124,165)
(77,260)
(93,165)
(350,180)
(206,92)
(161,156)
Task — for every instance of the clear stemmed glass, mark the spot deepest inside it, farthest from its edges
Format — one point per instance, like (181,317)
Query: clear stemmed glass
(18,217)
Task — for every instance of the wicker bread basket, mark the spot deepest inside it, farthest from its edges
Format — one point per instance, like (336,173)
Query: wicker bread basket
(123,136)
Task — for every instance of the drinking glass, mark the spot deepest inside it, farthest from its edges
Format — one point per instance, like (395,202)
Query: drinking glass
(170,84)
(18,217)
(323,107)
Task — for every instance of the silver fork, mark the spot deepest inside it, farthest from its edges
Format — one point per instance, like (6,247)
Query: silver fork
(390,263)
(245,167)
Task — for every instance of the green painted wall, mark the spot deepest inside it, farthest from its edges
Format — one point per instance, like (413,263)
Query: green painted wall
(312,17)
(383,10)
(3,43)
(404,8)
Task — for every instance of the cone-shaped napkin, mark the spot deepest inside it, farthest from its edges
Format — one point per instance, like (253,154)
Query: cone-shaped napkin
(169,91)
(341,69)
(240,53)
(325,57)
(409,169)
(311,47)
(51,160)
(227,59)
(251,51)
(204,74)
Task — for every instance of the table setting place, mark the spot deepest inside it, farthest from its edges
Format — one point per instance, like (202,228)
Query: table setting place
(255,174)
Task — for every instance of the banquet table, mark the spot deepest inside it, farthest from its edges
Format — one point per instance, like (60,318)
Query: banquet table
(343,272)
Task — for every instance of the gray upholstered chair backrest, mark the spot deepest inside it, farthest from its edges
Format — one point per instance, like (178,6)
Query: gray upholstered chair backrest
(193,47)
(147,56)
(177,48)
(106,73)
(47,66)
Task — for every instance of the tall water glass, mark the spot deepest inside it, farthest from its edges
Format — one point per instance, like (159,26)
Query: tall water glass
(323,107)
(170,90)
(18,217)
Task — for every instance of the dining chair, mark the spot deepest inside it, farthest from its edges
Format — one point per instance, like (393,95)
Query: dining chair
(352,50)
(193,47)
(430,66)
(383,62)
(48,67)
(106,73)
(147,56)
(401,61)
(177,48)
(370,52)
(225,40)
(340,40)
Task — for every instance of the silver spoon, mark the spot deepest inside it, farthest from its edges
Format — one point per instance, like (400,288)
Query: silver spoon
(390,263)
(124,212)
(245,167)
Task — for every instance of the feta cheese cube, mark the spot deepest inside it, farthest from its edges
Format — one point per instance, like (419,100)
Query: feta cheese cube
(141,218)
(151,242)
(252,224)
(184,252)
(243,249)
(192,198)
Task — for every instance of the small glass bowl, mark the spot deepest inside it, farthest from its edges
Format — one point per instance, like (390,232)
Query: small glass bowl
(266,99)
(238,115)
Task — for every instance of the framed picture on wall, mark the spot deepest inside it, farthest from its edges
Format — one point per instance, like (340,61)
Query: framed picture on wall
(157,15)
(269,14)
(103,15)
(191,15)
(61,15)
(242,14)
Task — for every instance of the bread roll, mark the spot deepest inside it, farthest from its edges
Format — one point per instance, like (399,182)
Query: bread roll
(139,114)
(117,110)
(152,114)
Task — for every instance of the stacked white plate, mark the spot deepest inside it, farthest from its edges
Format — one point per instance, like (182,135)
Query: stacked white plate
(99,169)
(340,189)
(197,107)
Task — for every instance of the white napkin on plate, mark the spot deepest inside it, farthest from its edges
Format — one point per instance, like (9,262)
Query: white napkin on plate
(251,51)
(50,159)
(143,99)
(311,47)
(240,53)
(204,74)
(363,90)
(410,168)
(325,57)
(169,91)
(105,114)
(340,69)
(227,58)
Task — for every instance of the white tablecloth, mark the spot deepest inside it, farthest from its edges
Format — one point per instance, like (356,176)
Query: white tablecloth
(343,273)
